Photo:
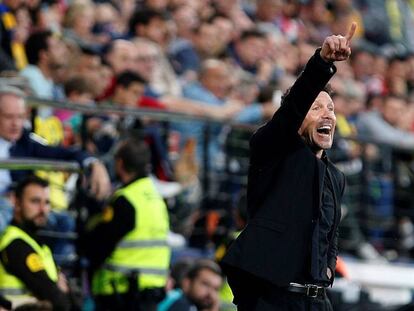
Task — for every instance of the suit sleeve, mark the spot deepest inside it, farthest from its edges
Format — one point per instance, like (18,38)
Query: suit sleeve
(105,230)
(15,260)
(272,137)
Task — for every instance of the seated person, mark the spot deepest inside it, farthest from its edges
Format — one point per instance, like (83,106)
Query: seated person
(27,268)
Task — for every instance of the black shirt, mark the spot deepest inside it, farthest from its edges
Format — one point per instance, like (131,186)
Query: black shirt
(322,233)
(14,259)
(183,304)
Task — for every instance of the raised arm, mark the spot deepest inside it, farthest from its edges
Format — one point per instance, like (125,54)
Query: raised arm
(272,137)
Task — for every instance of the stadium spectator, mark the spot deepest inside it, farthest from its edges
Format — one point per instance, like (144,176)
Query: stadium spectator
(178,272)
(186,20)
(234,11)
(79,21)
(200,288)
(101,133)
(87,63)
(246,91)
(120,55)
(12,34)
(152,64)
(209,40)
(107,21)
(19,142)
(152,25)
(382,125)
(163,84)
(212,90)
(249,52)
(316,18)
(46,53)
(78,90)
(26,265)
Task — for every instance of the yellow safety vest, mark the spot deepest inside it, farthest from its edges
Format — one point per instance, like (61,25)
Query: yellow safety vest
(226,298)
(226,294)
(143,250)
(12,287)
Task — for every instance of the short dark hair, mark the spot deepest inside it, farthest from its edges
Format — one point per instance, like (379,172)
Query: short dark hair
(135,156)
(127,77)
(78,84)
(36,42)
(251,33)
(144,17)
(328,89)
(203,264)
(179,270)
(30,180)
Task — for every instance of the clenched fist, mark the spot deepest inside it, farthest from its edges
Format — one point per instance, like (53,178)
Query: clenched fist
(337,47)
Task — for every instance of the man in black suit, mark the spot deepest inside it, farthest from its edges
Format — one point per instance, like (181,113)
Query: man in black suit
(286,256)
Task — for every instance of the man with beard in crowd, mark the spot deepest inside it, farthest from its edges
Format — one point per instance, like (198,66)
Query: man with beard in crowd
(200,288)
(27,268)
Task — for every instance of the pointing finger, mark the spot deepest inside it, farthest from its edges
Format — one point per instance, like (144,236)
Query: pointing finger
(351,32)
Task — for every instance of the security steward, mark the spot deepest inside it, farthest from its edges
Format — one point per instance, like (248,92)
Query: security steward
(27,269)
(127,243)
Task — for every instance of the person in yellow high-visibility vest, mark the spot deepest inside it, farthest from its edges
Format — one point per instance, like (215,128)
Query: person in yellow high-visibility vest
(27,268)
(127,243)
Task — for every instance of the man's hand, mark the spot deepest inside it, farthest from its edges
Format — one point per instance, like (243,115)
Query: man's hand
(99,181)
(337,47)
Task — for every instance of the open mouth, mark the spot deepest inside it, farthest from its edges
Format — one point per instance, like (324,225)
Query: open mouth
(324,130)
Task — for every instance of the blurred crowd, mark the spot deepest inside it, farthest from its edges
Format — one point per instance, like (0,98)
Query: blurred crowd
(228,62)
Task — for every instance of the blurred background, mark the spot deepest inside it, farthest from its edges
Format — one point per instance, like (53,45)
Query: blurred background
(194,79)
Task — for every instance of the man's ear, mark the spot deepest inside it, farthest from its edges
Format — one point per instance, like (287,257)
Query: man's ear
(11,196)
(186,282)
(119,163)
(42,55)
(17,205)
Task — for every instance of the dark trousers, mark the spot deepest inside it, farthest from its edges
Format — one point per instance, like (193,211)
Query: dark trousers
(253,294)
(283,301)
(146,300)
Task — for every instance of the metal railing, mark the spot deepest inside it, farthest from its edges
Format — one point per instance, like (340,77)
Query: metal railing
(39,164)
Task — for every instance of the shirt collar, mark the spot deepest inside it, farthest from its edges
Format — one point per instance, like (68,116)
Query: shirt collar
(5,142)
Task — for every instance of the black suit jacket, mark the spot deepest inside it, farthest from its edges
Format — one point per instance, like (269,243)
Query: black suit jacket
(285,190)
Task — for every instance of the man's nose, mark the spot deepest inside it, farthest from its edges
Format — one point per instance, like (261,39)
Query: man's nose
(328,114)
(44,207)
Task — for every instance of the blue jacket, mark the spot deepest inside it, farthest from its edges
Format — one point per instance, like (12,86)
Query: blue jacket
(31,146)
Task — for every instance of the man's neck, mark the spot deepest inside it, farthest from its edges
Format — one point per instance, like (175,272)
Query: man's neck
(44,69)
(5,141)
(27,227)
(127,178)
